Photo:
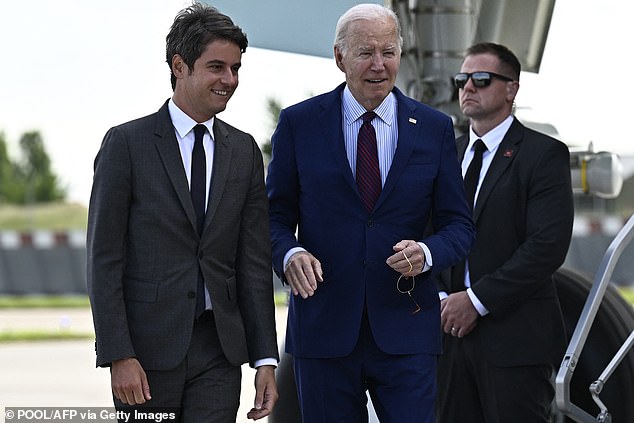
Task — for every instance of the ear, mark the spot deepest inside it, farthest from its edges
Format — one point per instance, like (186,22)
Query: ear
(179,68)
(511,90)
(339,59)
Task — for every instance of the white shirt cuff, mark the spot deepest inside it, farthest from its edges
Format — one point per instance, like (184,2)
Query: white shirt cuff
(482,310)
(290,253)
(265,362)
(428,260)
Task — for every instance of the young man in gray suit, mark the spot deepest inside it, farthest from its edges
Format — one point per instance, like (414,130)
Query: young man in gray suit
(180,282)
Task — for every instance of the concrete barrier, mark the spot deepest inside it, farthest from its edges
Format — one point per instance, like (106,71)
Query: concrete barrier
(42,262)
(49,262)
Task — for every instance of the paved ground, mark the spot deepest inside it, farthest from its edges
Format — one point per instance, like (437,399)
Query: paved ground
(63,373)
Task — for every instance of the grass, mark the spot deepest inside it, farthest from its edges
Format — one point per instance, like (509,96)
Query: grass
(42,335)
(627,293)
(49,216)
(44,301)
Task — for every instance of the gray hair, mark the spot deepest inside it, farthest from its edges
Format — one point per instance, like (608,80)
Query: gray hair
(365,11)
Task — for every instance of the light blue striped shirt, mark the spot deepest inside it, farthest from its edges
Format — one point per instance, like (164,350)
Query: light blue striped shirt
(385,125)
(386,128)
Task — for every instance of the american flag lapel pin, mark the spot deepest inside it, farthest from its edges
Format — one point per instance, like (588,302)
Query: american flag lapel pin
(412,120)
(508,153)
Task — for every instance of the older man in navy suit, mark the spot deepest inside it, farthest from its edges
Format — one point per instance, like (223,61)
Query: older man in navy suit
(361,173)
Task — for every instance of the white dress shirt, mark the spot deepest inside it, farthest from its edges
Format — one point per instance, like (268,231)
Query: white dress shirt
(183,126)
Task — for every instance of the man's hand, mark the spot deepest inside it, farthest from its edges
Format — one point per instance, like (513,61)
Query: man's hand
(265,393)
(409,259)
(129,382)
(302,272)
(458,315)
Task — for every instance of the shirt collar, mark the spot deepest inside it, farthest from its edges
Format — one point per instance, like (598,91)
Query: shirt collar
(353,110)
(183,123)
(494,137)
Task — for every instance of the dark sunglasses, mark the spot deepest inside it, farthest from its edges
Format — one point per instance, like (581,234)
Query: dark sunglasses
(480,79)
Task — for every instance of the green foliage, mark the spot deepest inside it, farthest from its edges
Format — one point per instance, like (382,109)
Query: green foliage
(30,180)
(274,107)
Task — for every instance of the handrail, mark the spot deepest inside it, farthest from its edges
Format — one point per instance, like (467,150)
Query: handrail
(580,335)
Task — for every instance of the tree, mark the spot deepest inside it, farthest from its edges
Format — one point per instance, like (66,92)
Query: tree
(6,170)
(30,180)
(274,107)
(42,184)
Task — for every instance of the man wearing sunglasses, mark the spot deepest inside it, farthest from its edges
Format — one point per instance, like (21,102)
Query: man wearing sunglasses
(500,310)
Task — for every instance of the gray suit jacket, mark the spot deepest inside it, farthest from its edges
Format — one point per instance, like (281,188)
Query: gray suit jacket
(144,252)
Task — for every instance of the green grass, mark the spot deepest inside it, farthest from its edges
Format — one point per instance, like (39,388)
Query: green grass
(49,216)
(42,335)
(627,293)
(44,301)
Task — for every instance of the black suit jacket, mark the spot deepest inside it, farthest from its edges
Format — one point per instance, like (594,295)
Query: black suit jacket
(144,252)
(523,217)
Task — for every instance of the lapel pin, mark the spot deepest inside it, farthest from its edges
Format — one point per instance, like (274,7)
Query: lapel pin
(508,153)
(412,120)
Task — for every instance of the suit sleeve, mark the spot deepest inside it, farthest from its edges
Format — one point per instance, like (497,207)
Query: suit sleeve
(107,225)
(253,267)
(283,191)
(452,230)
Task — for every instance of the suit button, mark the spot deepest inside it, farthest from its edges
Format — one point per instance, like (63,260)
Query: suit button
(370,223)
(191,294)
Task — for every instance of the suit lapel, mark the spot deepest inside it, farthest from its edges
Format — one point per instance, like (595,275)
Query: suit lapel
(461,147)
(168,150)
(504,156)
(409,124)
(331,117)
(222,161)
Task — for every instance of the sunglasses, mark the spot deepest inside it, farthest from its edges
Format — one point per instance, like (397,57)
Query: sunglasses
(480,79)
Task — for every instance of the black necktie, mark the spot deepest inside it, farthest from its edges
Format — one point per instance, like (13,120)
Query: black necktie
(471,179)
(368,173)
(472,176)
(198,193)
(198,176)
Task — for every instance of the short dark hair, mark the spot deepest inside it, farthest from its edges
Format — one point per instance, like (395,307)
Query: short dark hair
(196,26)
(508,60)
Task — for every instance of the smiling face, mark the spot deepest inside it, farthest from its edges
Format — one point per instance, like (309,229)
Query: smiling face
(370,60)
(203,92)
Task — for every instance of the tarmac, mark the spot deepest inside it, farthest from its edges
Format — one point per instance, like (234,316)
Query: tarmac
(63,373)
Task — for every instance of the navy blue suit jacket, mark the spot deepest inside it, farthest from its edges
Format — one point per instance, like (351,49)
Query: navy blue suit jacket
(312,190)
